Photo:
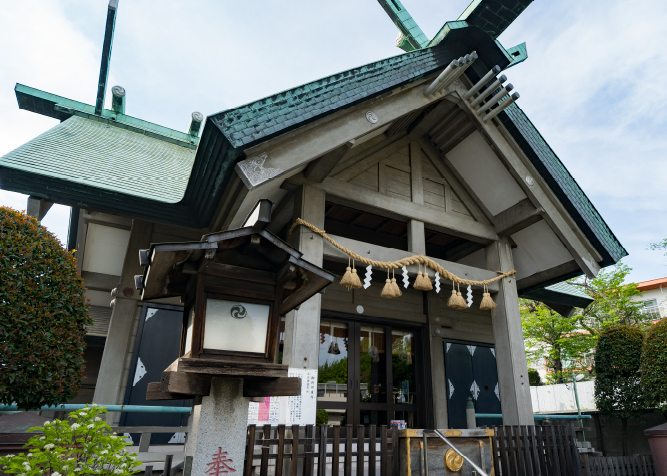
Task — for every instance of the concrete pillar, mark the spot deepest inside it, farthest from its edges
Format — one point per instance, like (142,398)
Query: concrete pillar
(437,355)
(217,430)
(302,327)
(513,383)
(38,207)
(119,341)
(416,237)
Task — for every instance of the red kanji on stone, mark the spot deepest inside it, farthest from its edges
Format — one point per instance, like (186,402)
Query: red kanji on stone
(219,464)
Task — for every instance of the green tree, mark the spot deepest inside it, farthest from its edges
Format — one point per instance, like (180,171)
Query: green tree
(335,372)
(557,339)
(82,446)
(614,303)
(618,390)
(654,366)
(43,315)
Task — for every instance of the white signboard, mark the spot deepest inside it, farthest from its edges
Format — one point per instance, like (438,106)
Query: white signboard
(299,410)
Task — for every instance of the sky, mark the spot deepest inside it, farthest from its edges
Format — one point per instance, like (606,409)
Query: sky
(591,83)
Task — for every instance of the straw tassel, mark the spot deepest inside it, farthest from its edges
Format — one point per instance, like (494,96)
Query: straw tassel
(388,291)
(426,281)
(487,303)
(420,282)
(346,280)
(456,301)
(394,284)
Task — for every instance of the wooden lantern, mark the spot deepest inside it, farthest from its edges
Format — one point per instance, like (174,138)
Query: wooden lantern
(235,285)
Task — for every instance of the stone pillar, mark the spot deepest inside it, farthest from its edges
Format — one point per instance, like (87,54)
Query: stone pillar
(416,237)
(119,341)
(217,430)
(302,327)
(513,382)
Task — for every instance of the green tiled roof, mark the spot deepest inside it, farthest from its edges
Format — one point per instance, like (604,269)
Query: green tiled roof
(563,184)
(289,109)
(97,155)
(493,16)
(406,24)
(560,293)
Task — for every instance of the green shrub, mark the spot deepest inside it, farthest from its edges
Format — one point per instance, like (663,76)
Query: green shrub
(83,447)
(43,315)
(654,366)
(534,378)
(618,390)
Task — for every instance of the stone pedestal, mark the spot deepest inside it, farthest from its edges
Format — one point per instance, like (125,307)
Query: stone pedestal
(217,430)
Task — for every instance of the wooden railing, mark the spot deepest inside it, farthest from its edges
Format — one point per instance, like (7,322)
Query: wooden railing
(149,458)
(540,450)
(321,451)
(619,466)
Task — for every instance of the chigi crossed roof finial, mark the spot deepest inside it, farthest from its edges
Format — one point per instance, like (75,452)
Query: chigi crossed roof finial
(490,16)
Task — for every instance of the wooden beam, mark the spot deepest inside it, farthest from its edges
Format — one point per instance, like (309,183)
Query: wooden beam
(458,252)
(225,368)
(320,168)
(155,393)
(429,121)
(451,223)
(478,210)
(283,214)
(294,151)
(380,253)
(517,217)
(564,270)
(185,383)
(272,387)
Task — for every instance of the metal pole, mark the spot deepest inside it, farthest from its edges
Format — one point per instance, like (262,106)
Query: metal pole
(576,399)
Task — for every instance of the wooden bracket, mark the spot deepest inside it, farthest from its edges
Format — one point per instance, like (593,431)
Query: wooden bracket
(155,393)
(185,383)
(272,387)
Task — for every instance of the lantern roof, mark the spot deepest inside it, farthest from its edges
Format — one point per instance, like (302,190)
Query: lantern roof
(248,255)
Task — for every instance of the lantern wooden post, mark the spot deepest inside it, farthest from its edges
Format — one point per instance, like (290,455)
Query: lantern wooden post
(235,285)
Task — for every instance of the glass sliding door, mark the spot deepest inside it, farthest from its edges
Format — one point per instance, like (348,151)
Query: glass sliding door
(376,380)
(332,387)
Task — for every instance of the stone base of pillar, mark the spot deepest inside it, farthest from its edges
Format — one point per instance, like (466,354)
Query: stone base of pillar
(217,430)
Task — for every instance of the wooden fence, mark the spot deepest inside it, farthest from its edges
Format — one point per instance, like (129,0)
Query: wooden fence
(619,466)
(540,450)
(321,451)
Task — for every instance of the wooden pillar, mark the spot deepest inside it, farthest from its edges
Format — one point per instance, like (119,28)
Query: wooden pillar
(416,237)
(119,342)
(302,326)
(510,351)
(437,356)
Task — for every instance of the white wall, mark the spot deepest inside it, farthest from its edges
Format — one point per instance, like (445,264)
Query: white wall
(560,397)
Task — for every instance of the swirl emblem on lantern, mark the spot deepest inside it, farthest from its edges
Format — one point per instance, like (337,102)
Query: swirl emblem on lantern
(453,460)
(238,311)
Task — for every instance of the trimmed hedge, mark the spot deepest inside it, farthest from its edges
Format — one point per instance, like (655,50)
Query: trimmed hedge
(43,315)
(617,360)
(654,366)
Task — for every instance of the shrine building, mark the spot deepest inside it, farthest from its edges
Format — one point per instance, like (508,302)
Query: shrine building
(425,153)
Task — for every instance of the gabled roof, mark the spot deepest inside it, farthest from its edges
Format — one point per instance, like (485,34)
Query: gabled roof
(652,284)
(560,293)
(228,133)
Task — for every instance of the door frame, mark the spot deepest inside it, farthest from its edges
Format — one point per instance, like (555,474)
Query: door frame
(354,406)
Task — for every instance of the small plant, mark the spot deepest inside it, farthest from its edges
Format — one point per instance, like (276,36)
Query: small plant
(82,446)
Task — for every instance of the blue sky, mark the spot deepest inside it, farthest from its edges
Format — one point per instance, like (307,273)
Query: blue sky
(592,83)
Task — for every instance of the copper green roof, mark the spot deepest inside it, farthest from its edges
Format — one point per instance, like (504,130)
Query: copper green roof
(94,154)
(560,293)
(493,16)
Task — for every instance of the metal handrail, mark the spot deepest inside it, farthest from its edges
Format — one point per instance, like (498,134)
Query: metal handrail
(444,438)
(111,408)
(538,416)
